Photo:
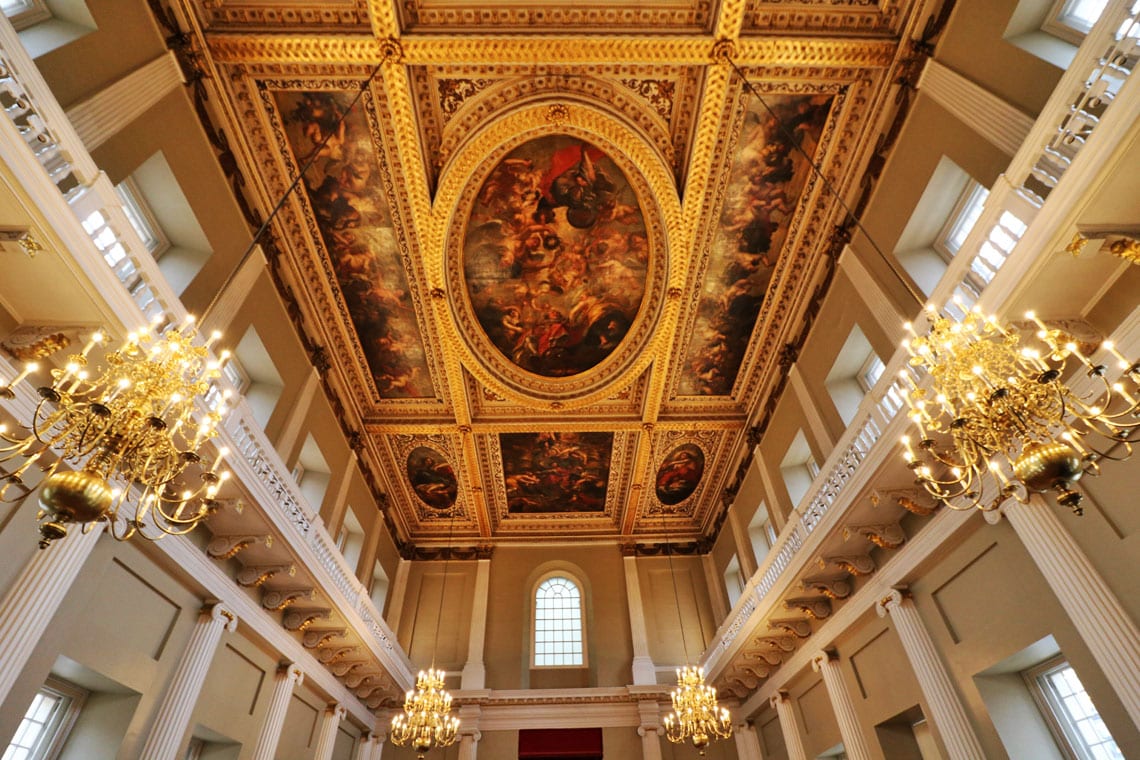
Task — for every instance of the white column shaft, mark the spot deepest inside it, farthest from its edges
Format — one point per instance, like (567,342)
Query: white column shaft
(270,735)
(644,671)
(854,741)
(396,593)
(103,115)
(747,742)
(474,672)
(35,596)
(650,744)
(790,727)
(173,717)
(326,736)
(1107,630)
(946,709)
(468,747)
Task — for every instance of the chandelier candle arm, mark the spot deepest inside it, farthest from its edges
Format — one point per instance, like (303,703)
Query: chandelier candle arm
(133,431)
(999,408)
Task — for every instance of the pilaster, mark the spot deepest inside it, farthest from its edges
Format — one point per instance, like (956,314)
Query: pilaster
(172,720)
(288,676)
(789,726)
(855,743)
(35,596)
(947,712)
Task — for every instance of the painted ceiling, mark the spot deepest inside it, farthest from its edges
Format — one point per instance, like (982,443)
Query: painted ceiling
(554,260)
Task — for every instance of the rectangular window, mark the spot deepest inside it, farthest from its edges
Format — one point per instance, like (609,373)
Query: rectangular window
(1071,714)
(141,217)
(47,722)
(870,373)
(1079,15)
(25,13)
(963,218)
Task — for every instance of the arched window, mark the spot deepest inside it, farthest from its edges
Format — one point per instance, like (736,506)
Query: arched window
(558,639)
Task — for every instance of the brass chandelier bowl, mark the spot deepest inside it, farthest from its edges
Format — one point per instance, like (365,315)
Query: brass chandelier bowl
(996,406)
(132,433)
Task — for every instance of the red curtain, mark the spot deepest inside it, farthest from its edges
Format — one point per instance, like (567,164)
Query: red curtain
(560,744)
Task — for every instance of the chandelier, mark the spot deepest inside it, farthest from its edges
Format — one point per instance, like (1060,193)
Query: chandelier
(696,715)
(133,428)
(995,405)
(426,721)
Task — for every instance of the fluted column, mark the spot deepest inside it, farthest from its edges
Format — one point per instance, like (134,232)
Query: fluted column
(288,676)
(326,737)
(854,741)
(649,726)
(747,742)
(173,716)
(789,726)
(1110,634)
(469,744)
(104,114)
(364,748)
(947,712)
(34,597)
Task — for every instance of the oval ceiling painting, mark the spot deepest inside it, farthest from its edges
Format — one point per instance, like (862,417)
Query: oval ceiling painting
(556,256)
(431,477)
(680,473)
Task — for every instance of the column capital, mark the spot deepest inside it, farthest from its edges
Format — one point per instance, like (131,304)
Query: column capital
(891,601)
(336,711)
(822,657)
(778,697)
(219,612)
(291,671)
(474,734)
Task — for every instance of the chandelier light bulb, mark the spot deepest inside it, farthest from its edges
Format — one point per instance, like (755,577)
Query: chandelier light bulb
(115,432)
(1005,424)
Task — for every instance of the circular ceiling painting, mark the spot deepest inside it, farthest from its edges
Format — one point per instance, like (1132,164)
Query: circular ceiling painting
(431,477)
(680,473)
(556,256)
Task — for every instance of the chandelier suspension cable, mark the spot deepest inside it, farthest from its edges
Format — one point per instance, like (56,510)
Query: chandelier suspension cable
(134,431)
(443,586)
(306,165)
(697,716)
(426,721)
(676,595)
(998,419)
(848,212)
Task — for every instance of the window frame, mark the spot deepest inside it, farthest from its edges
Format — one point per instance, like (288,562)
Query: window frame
(142,219)
(62,719)
(1061,725)
(1061,23)
(974,192)
(581,588)
(31,13)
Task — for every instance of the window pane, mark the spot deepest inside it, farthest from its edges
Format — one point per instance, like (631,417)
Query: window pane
(558,623)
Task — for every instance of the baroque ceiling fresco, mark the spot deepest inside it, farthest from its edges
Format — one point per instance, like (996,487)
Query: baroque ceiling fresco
(553,260)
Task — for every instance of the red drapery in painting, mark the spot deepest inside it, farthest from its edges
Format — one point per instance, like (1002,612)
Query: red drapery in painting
(560,744)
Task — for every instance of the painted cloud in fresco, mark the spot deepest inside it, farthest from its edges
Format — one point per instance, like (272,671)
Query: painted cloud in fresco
(555,256)
(556,472)
(767,177)
(346,193)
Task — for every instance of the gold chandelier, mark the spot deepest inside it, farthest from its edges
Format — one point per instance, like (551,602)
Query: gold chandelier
(696,716)
(997,406)
(427,721)
(134,429)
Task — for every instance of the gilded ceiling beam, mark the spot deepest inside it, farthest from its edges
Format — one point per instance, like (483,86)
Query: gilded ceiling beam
(385,23)
(505,50)
(543,424)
